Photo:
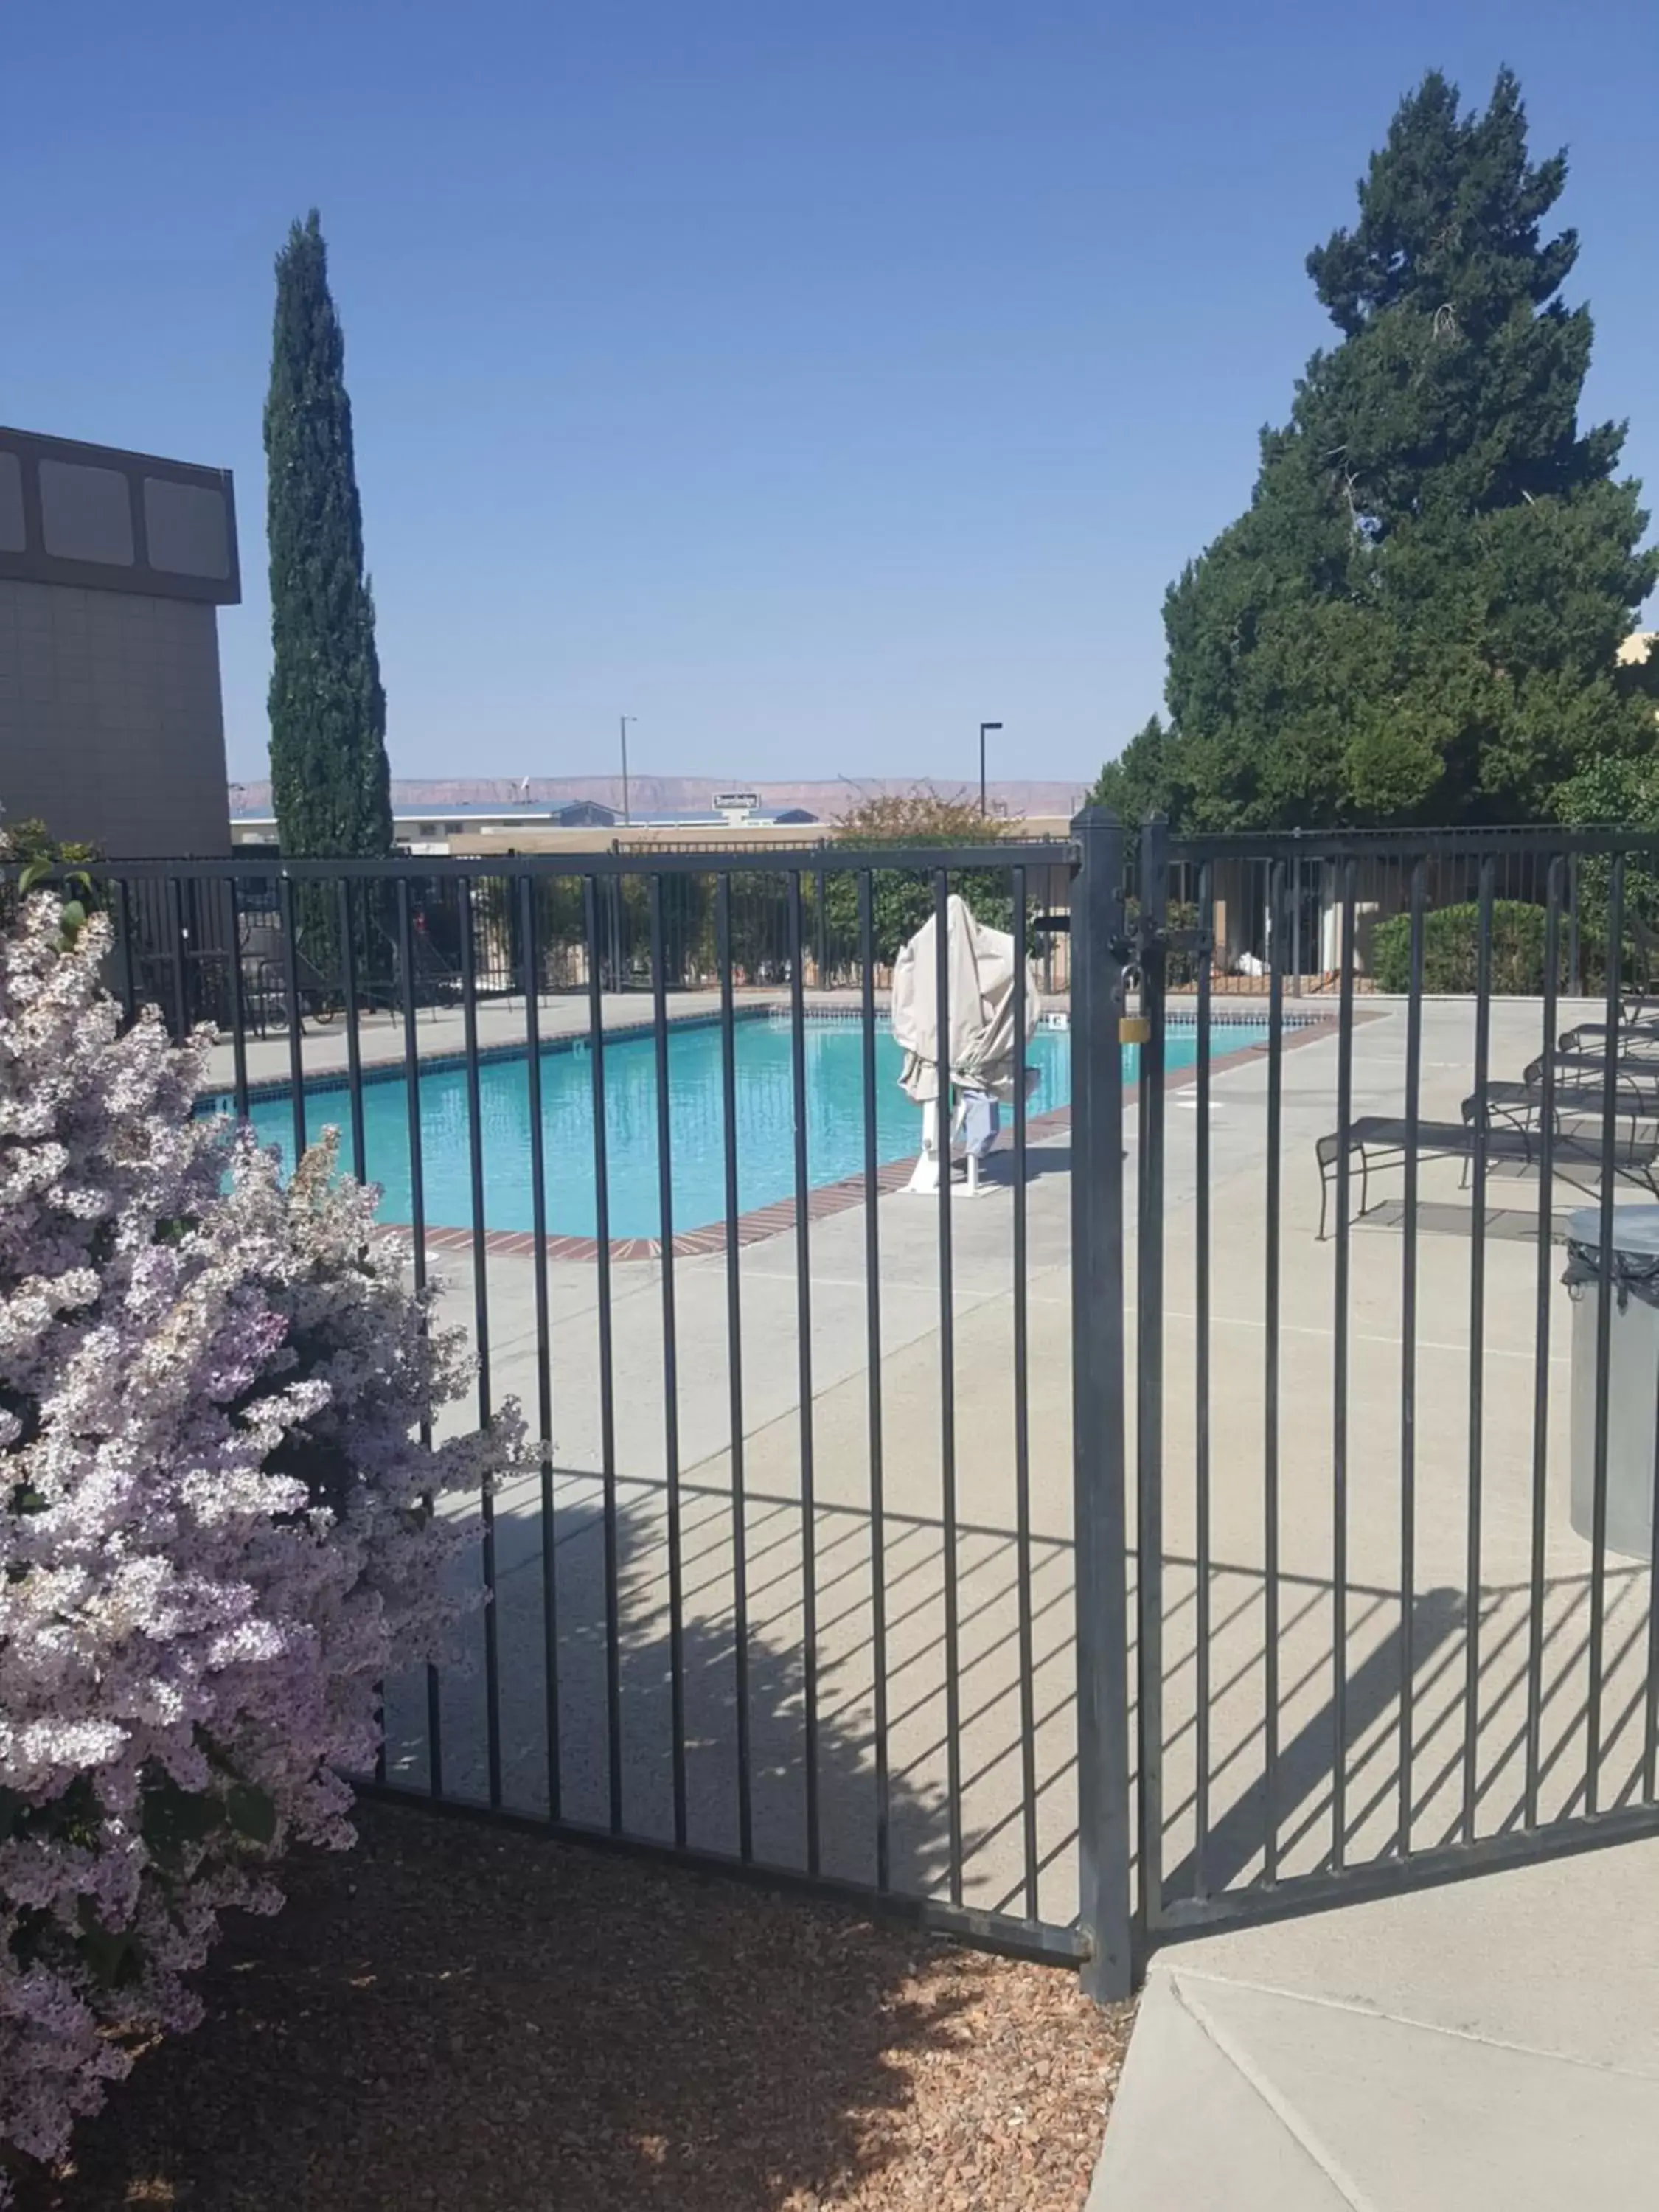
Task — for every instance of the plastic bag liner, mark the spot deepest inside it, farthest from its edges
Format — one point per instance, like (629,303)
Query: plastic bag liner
(1635,1270)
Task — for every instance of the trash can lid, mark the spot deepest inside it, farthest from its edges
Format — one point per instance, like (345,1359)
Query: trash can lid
(1635,1229)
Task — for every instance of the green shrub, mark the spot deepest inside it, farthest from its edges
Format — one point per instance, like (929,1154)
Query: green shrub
(1450,948)
(1518,952)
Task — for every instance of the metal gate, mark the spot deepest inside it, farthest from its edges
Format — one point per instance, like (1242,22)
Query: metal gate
(1065,1571)
(1394,1542)
(811,1583)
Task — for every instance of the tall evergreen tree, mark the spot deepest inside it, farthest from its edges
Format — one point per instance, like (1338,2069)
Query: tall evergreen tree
(1418,617)
(330,783)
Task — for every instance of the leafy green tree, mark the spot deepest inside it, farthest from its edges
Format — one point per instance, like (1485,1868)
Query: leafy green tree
(1144,778)
(902,899)
(330,783)
(1418,617)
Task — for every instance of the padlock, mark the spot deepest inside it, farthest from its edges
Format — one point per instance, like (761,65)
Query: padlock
(1134,1029)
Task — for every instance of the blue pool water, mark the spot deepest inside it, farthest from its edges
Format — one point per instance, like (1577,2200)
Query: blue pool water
(765,1116)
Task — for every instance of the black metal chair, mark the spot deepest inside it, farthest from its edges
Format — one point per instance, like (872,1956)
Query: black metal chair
(263,955)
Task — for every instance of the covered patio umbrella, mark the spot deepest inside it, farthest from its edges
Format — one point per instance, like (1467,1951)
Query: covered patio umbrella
(981,1042)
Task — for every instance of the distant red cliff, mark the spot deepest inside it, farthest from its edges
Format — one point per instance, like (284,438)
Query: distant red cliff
(684,794)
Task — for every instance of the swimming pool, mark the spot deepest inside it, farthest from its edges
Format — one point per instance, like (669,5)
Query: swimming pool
(765,1123)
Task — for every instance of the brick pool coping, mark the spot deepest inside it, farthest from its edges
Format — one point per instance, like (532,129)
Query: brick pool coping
(778,1219)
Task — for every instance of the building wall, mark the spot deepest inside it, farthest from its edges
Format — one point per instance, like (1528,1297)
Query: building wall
(110,724)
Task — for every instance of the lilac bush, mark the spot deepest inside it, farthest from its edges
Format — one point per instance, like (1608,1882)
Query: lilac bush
(215,1532)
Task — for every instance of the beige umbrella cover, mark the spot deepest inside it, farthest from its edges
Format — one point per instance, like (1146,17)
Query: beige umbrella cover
(980,978)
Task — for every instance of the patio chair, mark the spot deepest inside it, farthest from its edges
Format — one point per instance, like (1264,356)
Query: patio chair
(263,957)
(1638,1011)
(435,981)
(1581,1084)
(1380,1141)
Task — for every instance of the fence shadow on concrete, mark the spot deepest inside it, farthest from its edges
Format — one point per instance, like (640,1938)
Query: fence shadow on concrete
(1017,1818)
(1484,1748)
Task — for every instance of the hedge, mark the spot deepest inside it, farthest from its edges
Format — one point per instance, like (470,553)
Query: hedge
(1450,951)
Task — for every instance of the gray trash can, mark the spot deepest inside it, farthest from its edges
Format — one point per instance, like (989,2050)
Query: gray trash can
(1632,1372)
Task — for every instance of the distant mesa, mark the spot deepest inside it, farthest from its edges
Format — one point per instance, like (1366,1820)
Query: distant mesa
(596,801)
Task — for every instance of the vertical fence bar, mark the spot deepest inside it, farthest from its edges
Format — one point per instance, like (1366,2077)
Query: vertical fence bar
(1296,925)
(1408,1360)
(809,1539)
(1613,1013)
(734,1362)
(596,970)
(1650,1698)
(434,1733)
(528,939)
(1202,1502)
(1149,1362)
(355,1098)
(297,1063)
(1270,1300)
(1575,968)
(238,1003)
(353,1043)
(129,969)
(178,937)
(1477,1348)
(947,1378)
(1340,1391)
(1541,1400)
(1022,1419)
(872,1362)
(481,1328)
(670,1380)
(1099,1470)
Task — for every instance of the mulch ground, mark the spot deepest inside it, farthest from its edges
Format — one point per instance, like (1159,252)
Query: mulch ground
(456,2017)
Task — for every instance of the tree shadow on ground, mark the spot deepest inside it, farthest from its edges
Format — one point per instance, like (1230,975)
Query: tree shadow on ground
(463,2015)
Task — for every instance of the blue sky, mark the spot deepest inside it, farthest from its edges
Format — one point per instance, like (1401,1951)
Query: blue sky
(810,382)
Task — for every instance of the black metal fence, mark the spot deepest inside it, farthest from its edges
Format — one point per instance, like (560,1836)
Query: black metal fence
(834,1569)
(1380,871)
(1396,1429)
(194,940)
(792,1589)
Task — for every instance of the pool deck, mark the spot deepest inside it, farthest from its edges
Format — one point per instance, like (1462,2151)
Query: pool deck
(830,1376)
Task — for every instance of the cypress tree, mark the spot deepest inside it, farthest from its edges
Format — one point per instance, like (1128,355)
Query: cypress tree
(330,783)
(1418,617)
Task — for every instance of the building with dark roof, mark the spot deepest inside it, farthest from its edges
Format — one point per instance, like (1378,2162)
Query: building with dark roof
(113,568)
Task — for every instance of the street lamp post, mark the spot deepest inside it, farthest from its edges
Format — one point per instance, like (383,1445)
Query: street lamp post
(624,719)
(983,727)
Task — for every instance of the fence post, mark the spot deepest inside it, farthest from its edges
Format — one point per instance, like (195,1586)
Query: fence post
(1296,925)
(1149,1362)
(1098,1429)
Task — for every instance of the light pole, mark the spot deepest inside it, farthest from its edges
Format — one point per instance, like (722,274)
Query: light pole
(624,719)
(983,727)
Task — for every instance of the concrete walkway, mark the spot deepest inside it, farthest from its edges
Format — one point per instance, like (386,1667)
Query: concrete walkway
(1493,2043)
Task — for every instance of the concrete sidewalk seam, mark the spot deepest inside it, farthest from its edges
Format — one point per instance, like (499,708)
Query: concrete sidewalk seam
(1425,2026)
(1288,2117)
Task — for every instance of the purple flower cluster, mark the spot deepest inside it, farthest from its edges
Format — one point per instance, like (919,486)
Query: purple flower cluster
(217,1523)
